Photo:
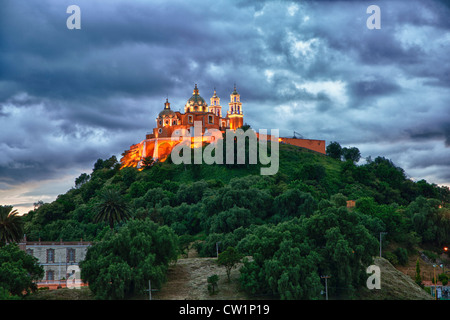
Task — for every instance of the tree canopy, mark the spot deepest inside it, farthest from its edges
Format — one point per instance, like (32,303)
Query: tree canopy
(121,265)
(294,225)
(18,271)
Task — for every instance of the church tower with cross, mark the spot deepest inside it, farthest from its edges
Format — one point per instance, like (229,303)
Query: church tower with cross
(235,113)
(170,123)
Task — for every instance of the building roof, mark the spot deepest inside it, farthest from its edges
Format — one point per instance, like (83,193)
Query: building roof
(196,98)
(167,112)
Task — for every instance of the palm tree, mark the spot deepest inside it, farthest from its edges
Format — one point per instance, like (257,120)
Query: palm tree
(11,225)
(112,208)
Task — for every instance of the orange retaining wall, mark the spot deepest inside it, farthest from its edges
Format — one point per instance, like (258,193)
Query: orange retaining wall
(315,145)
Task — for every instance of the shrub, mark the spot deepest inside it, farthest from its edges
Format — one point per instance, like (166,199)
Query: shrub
(402,256)
(431,255)
(392,258)
(212,284)
(443,278)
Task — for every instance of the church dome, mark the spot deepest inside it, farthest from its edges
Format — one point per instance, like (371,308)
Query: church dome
(167,112)
(196,99)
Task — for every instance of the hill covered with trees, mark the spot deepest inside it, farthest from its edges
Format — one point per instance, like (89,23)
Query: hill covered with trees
(294,225)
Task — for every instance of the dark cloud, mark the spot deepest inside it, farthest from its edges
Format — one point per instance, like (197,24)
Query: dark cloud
(437,131)
(69,97)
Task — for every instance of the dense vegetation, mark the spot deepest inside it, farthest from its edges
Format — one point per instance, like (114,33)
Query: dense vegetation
(18,272)
(295,225)
(121,265)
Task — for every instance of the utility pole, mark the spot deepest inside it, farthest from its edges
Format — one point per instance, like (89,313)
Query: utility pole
(217,249)
(150,290)
(326,285)
(381,233)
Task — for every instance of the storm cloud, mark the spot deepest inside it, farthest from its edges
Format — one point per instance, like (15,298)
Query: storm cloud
(69,97)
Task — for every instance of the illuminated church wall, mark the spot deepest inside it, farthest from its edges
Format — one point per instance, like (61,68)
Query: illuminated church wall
(159,144)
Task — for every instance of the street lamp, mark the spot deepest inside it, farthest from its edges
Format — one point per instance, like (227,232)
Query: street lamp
(435,282)
(326,285)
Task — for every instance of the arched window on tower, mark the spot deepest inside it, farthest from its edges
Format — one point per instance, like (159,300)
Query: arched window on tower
(238,109)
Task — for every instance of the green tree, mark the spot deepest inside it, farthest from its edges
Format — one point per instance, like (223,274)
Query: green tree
(148,162)
(402,256)
(351,154)
(18,270)
(82,179)
(11,225)
(229,220)
(121,264)
(213,280)
(418,277)
(289,258)
(294,203)
(334,150)
(185,243)
(229,258)
(112,208)
(443,278)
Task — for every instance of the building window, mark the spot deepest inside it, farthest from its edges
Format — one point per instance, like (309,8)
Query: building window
(234,99)
(167,122)
(50,275)
(160,122)
(160,130)
(210,119)
(238,109)
(50,255)
(70,255)
(190,119)
(174,122)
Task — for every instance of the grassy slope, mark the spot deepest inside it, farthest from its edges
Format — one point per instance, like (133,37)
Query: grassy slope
(290,159)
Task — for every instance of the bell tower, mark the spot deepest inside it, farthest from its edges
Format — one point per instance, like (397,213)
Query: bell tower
(215,106)
(235,113)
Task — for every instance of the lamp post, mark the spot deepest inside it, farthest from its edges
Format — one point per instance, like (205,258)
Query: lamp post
(435,281)
(326,285)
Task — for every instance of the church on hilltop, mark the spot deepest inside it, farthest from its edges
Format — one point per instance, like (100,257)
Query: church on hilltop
(159,143)
(196,109)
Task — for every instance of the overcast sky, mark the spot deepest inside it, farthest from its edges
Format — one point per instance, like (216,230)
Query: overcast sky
(69,97)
